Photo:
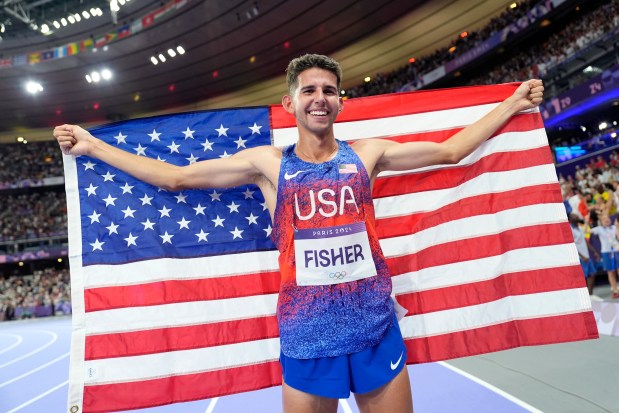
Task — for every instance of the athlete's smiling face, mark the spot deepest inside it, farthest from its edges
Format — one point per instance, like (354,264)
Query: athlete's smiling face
(315,102)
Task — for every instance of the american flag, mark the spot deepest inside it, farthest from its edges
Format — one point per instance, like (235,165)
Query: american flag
(174,293)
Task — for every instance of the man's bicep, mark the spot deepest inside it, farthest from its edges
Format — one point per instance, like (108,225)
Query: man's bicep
(403,156)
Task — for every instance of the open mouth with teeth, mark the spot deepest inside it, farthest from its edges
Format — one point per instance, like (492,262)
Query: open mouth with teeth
(318,112)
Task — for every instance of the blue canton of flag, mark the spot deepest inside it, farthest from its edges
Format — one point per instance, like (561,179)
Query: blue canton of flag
(125,220)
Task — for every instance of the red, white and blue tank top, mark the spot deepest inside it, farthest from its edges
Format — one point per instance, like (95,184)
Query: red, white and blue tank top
(335,285)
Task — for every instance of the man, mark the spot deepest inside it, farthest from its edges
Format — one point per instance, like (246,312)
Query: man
(583,246)
(609,244)
(337,324)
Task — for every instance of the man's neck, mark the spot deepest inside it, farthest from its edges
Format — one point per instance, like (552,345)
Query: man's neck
(316,149)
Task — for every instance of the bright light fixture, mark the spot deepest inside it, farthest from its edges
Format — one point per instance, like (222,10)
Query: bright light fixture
(161,57)
(44,28)
(77,17)
(154,60)
(63,21)
(95,76)
(367,79)
(88,79)
(33,87)
(85,14)
(56,24)
(180,50)
(106,74)
(603,125)
(171,52)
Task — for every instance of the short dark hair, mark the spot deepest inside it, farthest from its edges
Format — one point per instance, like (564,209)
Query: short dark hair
(308,61)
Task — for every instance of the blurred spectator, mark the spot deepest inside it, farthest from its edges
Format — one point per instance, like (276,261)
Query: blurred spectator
(42,294)
(38,160)
(33,215)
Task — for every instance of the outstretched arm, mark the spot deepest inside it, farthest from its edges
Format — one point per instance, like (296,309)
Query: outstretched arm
(394,156)
(217,173)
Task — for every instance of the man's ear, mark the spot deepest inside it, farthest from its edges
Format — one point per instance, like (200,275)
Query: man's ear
(340,105)
(288,104)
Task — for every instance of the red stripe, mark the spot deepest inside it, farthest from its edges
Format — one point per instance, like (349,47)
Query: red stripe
(177,291)
(480,292)
(523,122)
(481,247)
(453,177)
(531,332)
(161,340)
(468,207)
(398,104)
(176,389)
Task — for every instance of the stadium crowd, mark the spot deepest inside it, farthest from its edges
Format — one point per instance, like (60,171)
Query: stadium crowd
(592,192)
(44,293)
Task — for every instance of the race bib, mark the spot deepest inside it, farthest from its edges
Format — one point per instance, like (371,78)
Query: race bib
(333,255)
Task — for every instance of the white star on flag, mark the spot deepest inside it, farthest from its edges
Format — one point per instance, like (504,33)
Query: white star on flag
(166,238)
(222,131)
(154,136)
(92,190)
(174,147)
(181,198)
(202,236)
(188,133)
(219,222)
(225,155)
(240,142)
(192,159)
(165,212)
(109,200)
(127,188)
(233,207)
(207,145)
(140,150)
(183,223)
(148,225)
(89,165)
(252,219)
(131,240)
(97,245)
(236,233)
(255,129)
(108,177)
(215,196)
(120,138)
(268,230)
(128,212)
(199,210)
(146,200)
(112,228)
(249,194)
(94,217)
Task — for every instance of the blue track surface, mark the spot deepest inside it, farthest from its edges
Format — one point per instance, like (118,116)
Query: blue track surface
(34,370)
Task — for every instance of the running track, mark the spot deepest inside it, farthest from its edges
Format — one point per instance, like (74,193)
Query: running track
(34,365)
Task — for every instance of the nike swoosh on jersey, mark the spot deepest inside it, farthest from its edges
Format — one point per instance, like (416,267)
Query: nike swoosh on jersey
(288,177)
(397,363)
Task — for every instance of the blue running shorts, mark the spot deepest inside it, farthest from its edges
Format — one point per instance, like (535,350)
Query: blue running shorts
(610,260)
(588,267)
(361,372)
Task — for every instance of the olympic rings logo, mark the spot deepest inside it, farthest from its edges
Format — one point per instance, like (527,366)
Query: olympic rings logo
(338,275)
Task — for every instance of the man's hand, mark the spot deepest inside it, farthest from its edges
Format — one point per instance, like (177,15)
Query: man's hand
(73,139)
(528,95)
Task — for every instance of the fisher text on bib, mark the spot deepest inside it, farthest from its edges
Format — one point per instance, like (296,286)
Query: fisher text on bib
(333,255)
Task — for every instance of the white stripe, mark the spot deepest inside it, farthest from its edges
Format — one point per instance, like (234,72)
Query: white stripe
(492,388)
(40,396)
(505,142)
(506,309)
(487,183)
(488,268)
(345,406)
(169,315)
(473,227)
(211,405)
(28,373)
(179,269)
(125,369)
(396,125)
(12,346)
(33,352)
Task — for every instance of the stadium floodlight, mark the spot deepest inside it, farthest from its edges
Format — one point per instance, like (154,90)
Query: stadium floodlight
(180,50)
(77,17)
(33,87)
(171,52)
(162,58)
(88,79)
(96,77)
(56,24)
(71,19)
(613,135)
(44,28)
(367,79)
(154,60)
(603,125)
(106,74)
(85,14)
(63,21)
